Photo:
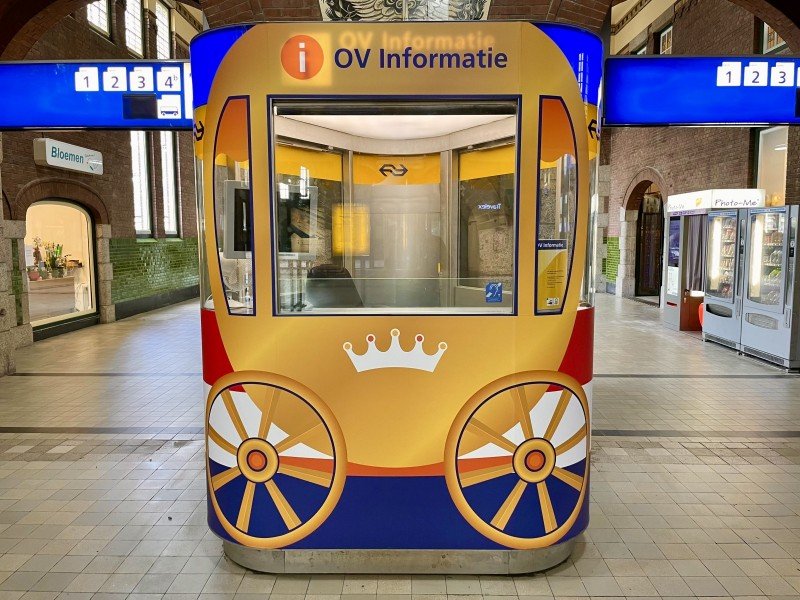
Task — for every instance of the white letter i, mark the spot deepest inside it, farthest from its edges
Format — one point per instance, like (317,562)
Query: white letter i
(302,57)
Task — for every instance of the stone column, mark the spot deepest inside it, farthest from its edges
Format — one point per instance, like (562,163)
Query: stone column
(601,226)
(21,330)
(105,274)
(8,311)
(626,273)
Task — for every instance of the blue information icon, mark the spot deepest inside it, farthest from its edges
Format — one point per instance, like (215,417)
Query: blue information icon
(494,292)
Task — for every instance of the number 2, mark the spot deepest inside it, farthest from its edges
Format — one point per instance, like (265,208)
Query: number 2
(755,77)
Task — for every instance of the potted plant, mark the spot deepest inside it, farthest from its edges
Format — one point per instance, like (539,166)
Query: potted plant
(33,273)
(54,258)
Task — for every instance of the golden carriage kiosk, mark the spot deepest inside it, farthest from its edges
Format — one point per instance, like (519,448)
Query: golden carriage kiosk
(397,317)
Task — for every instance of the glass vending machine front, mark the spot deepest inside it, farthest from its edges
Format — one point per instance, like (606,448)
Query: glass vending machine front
(721,276)
(722,320)
(767,246)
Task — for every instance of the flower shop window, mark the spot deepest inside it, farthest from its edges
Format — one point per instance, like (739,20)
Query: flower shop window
(59,259)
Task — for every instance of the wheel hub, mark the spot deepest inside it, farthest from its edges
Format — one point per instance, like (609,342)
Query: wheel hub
(258,460)
(534,460)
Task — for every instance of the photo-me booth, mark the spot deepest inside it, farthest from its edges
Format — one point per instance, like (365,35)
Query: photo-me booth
(397,324)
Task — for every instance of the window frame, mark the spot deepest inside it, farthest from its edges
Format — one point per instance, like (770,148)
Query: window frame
(668,30)
(176,205)
(148,180)
(764,35)
(105,32)
(574,231)
(214,181)
(642,51)
(131,50)
(275,99)
(758,134)
(166,7)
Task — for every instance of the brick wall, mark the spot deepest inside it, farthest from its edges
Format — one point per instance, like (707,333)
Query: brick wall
(690,159)
(108,197)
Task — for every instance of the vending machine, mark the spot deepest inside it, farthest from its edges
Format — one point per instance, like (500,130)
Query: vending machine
(770,323)
(722,322)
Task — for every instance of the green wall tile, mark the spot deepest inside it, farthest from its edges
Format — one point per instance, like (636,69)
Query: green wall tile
(148,267)
(611,262)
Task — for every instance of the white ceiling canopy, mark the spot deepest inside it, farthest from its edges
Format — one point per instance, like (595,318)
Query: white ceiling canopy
(398,127)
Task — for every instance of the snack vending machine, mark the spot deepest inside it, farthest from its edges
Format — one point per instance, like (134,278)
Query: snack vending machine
(770,323)
(722,322)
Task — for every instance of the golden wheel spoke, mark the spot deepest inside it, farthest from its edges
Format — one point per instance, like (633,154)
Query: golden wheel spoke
(569,478)
(481,475)
(523,412)
(220,479)
(482,429)
(561,408)
(548,516)
(287,513)
(318,477)
(221,441)
(509,506)
(576,439)
(243,520)
(230,406)
(293,440)
(267,407)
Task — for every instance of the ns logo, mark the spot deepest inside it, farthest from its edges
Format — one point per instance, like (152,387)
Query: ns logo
(302,57)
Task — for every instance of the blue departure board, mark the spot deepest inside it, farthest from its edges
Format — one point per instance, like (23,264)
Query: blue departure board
(682,90)
(107,95)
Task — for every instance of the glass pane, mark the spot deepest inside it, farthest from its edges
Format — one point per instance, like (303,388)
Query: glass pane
(309,202)
(721,256)
(486,218)
(772,153)
(405,232)
(233,212)
(558,196)
(59,255)
(140,176)
(766,258)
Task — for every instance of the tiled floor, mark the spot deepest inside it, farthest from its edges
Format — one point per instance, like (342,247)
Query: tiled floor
(695,486)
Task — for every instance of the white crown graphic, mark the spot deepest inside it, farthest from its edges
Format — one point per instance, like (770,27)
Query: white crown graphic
(395,356)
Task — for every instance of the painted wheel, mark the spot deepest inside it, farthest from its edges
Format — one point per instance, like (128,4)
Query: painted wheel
(517,459)
(275,459)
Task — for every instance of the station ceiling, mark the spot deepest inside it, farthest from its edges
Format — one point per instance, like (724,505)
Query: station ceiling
(22,22)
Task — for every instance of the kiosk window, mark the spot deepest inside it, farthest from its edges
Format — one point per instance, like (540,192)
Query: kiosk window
(378,210)
(233,210)
(556,214)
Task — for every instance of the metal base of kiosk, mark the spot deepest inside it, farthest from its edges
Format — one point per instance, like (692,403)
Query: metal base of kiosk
(461,562)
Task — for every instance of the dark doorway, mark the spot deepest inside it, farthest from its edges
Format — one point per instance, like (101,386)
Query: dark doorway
(649,244)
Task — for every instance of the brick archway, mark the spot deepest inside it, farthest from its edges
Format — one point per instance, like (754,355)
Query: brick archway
(639,186)
(58,188)
(629,224)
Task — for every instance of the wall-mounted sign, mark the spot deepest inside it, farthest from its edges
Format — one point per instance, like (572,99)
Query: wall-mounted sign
(705,200)
(684,90)
(52,153)
(108,95)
